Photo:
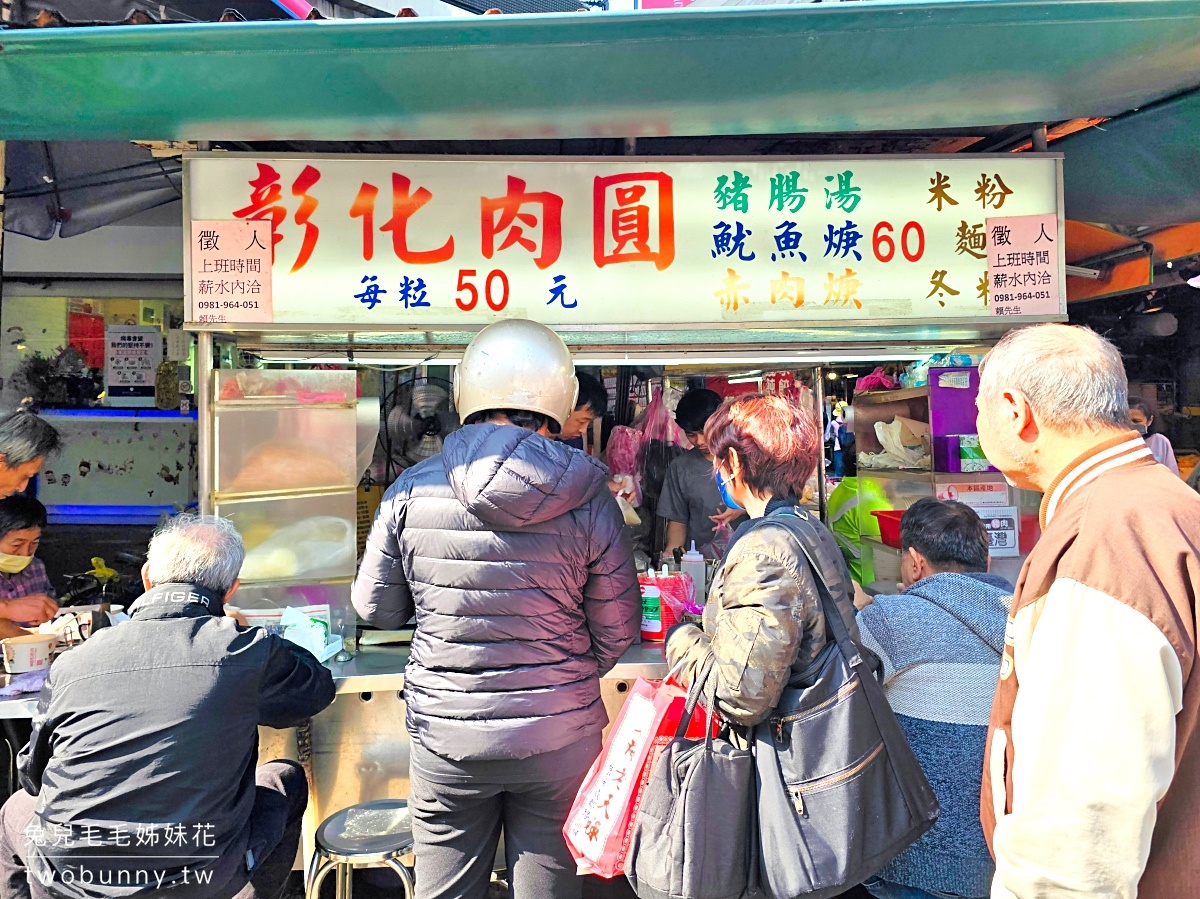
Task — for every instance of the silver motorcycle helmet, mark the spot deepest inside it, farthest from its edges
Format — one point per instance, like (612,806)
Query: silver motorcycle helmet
(516,364)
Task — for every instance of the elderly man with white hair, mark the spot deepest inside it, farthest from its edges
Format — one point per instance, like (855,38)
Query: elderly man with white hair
(140,776)
(26,441)
(1092,773)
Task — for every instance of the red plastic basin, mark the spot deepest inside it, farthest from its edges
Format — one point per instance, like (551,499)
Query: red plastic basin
(889,526)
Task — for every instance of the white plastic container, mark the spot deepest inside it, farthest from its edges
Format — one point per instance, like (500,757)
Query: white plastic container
(693,565)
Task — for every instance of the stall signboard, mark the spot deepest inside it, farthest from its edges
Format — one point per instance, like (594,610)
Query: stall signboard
(457,243)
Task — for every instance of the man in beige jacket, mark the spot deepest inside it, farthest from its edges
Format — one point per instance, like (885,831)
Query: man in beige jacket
(1092,773)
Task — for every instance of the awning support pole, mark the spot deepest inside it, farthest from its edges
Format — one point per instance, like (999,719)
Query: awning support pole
(204,412)
(819,396)
(1,216)
(1040,142)
(204,419)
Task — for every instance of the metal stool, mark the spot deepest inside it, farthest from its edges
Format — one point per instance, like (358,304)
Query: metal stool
(370,835)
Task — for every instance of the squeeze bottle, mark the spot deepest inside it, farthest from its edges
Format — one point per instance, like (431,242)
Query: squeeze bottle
(693,565)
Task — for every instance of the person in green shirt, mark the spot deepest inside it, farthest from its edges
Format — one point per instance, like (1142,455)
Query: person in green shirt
(850,519)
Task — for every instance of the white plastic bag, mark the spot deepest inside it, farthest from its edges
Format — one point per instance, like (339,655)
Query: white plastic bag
(901,444)
(318,545)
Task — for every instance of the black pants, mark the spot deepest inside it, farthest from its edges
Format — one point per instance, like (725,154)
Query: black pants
(281,796)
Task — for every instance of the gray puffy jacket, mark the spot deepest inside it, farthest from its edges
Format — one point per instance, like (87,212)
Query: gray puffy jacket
(511,551)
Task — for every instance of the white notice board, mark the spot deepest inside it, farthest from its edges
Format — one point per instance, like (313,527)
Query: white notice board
(132,356)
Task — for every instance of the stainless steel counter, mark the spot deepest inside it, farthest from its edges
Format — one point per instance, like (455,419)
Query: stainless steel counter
(641,660)
(19,706)
(380,669)
(373,668)
(359,746)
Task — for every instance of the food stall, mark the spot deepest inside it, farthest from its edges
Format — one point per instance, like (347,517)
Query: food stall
(920,442)
(315,267)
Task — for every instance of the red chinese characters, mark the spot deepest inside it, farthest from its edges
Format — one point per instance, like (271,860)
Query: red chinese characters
(265,205)
(363,208)
(633,219)
(504,217)
(405,204)
(265,196)
(308,205)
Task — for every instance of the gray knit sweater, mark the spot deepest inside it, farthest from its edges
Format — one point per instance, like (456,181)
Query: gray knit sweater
(941,642)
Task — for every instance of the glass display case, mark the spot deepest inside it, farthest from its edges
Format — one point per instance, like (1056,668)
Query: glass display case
(284,472)
(258,387)
(335,595)
(284,447)
(290,537)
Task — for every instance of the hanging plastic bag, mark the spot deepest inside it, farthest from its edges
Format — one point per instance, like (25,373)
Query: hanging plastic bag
(722,537)
(876,380)
(598,826)
(624,457)
(663,441)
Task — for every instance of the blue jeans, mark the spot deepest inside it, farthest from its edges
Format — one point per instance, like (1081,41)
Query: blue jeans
(839,464)
(881,889)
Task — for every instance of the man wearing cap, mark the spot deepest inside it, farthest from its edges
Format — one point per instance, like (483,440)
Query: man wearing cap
(511,552)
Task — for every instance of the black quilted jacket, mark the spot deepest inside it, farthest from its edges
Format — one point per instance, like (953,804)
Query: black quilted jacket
(510,550)
(154,723)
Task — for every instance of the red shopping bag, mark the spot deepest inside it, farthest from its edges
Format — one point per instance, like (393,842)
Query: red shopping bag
(606,804)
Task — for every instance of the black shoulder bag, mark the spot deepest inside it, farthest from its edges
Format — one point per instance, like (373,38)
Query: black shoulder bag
(840,793)
(693,836)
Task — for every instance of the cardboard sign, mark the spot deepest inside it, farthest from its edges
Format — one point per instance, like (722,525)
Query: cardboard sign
(1024,272)
(1001,525)
(231,271)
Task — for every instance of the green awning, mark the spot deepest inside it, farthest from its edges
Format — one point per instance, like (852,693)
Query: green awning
(817,68)
(1140,169)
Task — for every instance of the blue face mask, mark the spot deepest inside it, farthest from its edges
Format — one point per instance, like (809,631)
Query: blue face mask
(723,489)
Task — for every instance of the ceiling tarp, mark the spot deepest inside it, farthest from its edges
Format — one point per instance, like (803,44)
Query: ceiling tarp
(818,68)
(1141,169)
(72,189)
(1086,243)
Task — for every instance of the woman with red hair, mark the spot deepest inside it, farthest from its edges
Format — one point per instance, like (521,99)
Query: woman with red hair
(763,622)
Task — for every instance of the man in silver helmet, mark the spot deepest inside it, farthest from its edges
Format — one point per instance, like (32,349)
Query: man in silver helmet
(511,552)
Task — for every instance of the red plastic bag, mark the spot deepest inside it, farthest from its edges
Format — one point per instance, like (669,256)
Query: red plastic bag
(597,828)
(625,458)
(876,380)
(657,423)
